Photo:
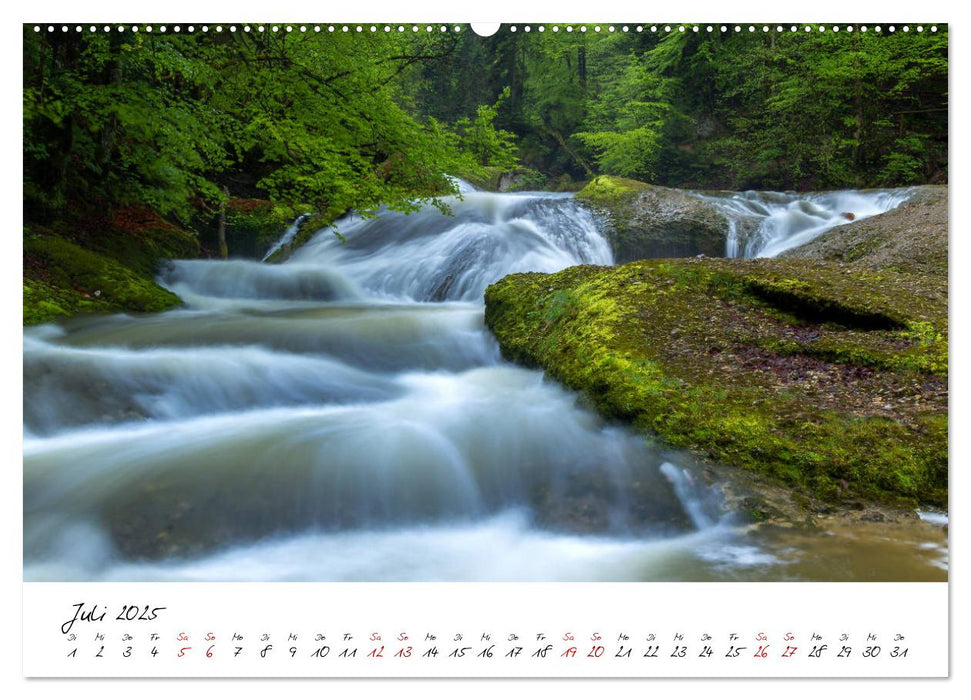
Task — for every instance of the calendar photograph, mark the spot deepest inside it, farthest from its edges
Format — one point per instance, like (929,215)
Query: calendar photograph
(563,303)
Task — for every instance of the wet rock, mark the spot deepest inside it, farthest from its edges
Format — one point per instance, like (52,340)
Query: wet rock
(646,221)
(910,238)
(784,368)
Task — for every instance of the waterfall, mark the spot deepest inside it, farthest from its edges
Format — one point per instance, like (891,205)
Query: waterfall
(344,415)
(425,256)
(287,236)
(765,224)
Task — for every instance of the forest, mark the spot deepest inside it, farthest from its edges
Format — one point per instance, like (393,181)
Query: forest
(569,302)
(180,123)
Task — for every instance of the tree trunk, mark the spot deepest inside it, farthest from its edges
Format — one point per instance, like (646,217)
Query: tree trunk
(573,154)
(221,231)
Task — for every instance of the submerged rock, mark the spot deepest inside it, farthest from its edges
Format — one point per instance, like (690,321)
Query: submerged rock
(828,378)
(646,221)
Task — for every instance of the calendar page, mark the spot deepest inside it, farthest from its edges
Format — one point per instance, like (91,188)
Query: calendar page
(431,349)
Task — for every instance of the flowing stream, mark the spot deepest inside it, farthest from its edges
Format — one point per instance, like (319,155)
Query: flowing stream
(346,416)
(765,224)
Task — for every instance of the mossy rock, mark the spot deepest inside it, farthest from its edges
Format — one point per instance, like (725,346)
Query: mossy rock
(646,221)
(100,265)
(62,279)
(830,379)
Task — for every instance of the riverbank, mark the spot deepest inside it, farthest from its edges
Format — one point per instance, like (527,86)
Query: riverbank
(103,265)
(109,263)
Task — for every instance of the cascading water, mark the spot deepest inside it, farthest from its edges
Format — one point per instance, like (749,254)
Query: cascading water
(765,224)
(287,236)
(346,416)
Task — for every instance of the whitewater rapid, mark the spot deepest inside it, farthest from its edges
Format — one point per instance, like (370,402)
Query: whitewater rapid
(766,224)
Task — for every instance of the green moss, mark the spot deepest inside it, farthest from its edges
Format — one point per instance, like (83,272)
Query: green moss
(609,191)
(827,379)
(70,280)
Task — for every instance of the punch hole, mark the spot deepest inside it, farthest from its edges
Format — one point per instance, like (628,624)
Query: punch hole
(485,28)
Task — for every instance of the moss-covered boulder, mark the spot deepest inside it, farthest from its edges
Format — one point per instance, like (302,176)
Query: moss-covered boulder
(100,266)
(909,238)
(646,221)
(828,378)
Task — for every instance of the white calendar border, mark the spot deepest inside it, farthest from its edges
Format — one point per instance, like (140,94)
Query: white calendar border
(501,629)
(438,10)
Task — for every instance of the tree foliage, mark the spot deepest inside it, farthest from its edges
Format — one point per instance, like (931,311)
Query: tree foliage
(771,110)
(182,122)
(348,120)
